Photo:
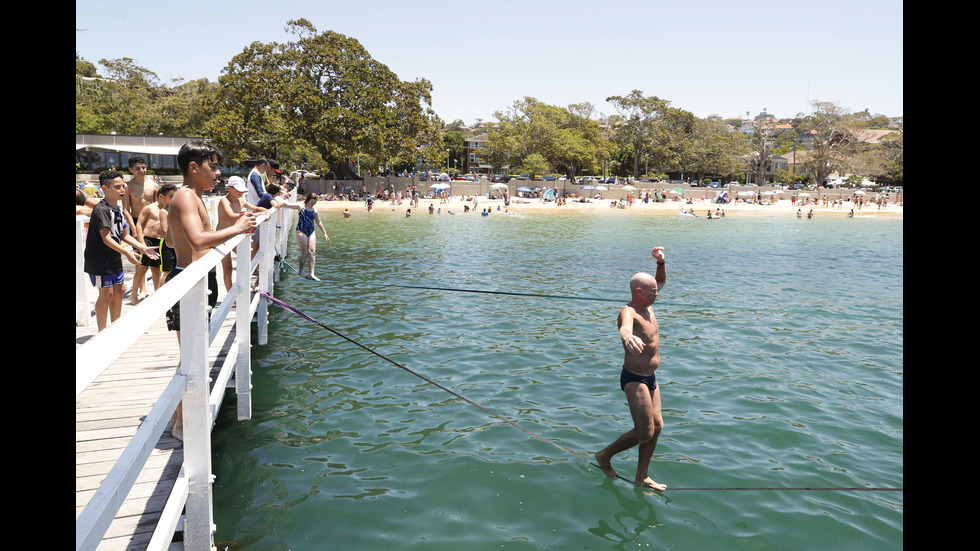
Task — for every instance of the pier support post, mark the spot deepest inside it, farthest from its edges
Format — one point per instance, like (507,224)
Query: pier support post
(198,518)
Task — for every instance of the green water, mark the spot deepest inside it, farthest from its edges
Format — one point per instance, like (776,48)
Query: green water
(782,346)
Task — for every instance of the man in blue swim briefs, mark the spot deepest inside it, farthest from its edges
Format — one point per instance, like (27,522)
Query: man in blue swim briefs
(640,335)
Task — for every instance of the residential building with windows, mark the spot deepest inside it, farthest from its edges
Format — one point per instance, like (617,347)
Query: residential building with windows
(477,148)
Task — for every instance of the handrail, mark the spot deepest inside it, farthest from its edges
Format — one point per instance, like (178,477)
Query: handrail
(190,385)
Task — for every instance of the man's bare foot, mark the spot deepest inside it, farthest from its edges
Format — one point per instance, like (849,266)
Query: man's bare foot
(178,433)
(605,465)
(650,483)
(314,278)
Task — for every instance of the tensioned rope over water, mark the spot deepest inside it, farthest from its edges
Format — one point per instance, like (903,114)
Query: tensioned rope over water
(512,423)
(512,293)
(426,379)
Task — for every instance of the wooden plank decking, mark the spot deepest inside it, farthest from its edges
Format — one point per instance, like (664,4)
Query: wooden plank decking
(108,413)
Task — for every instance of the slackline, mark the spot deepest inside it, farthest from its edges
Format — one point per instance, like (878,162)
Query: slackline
(515,425)
(511,293)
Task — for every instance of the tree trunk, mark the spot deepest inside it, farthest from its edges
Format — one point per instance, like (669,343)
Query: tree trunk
(341,168)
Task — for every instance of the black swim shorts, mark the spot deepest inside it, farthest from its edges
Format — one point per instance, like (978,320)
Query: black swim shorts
(628,376)
(173,315)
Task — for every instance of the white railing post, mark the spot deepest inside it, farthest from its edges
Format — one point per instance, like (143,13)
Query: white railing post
(82,309)
(279,244)
(93,358)
(269,252)
(198,520)
(265,233)
(243,330)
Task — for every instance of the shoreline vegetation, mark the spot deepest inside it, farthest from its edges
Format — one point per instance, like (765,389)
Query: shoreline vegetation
(456,205)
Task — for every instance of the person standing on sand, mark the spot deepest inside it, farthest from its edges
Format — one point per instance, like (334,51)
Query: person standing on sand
(640,335)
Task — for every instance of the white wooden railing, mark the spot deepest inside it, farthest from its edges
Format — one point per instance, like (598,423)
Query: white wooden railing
(190,386)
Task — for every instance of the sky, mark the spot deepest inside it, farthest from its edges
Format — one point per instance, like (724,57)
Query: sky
(709,57)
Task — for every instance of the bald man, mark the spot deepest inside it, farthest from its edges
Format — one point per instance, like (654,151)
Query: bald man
(640,335)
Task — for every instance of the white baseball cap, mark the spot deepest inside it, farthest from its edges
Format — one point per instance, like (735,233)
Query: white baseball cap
(237,183)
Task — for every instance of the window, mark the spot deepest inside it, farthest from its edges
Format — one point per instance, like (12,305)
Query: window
(112,159)
(163,161)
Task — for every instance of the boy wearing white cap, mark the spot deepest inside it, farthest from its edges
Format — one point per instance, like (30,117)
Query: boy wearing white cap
(229,209)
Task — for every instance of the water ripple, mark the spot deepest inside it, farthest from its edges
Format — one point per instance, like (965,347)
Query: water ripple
(777,372)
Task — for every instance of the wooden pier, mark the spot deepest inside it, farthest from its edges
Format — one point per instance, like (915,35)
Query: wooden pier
(132,479)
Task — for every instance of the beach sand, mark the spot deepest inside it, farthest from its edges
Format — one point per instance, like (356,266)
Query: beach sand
(779,208)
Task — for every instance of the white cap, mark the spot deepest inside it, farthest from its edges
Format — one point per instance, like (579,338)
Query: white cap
(237,183)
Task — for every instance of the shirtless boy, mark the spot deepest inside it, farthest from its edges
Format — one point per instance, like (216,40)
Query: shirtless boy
(229,209)
(189,227)
(640,335)
(152,224)
(140,193)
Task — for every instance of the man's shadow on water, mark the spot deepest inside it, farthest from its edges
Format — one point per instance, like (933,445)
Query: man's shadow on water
(636,514)
(635,504)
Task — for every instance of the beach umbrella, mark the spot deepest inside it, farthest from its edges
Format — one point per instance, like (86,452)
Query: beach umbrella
(439,186)
(602,188)
(677,190)
(629,188)
(587,187)
(523,188)
(499,186)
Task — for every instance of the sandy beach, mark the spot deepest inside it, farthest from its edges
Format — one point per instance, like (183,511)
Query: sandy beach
(701,208)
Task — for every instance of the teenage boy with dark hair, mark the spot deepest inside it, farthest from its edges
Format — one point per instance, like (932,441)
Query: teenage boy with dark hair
(189,227)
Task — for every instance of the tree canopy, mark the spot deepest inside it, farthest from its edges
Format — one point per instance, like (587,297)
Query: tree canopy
(130,99)
(325,90)
(531,130)
(831,140)
(650,128)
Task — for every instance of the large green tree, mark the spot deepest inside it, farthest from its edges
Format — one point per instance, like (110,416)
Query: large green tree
(453,141)
(566,138)
(831,142)
(883,162)
(760,158)
(325,90)
(130,99)
(712,148)
(650,128)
